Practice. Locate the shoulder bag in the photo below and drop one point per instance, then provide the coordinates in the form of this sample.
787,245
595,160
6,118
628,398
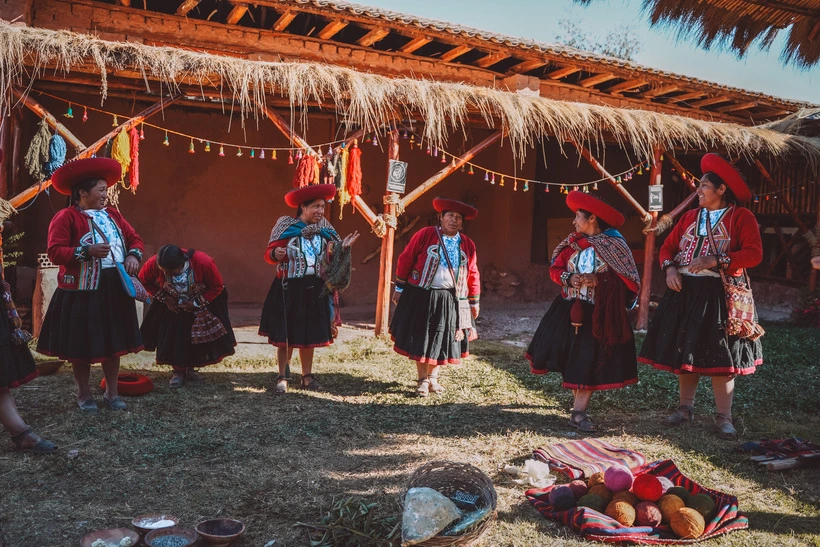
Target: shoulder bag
465,315
130,283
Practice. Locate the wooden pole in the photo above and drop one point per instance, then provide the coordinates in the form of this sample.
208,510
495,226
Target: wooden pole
386,260
52,122
450,168
645,216
5,133
30,192
649,249
682,170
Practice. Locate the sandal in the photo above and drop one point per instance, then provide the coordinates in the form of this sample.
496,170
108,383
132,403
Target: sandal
88,405
281,385
581,421
115,404
684,414
725,428
42,446
423,387
313,385
191,375
435,387
177,380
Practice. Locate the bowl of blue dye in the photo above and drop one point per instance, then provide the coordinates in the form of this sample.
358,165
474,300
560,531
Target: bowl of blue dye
174,536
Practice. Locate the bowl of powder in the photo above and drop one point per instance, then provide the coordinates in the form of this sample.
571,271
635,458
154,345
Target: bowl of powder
154,521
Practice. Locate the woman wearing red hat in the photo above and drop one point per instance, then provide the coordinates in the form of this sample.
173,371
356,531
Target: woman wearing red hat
586,335
435,275
188,323
91,319
687,334
312,264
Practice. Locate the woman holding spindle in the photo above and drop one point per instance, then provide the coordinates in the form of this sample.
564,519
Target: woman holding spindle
437,295
586,335
312,266
692,333
91,317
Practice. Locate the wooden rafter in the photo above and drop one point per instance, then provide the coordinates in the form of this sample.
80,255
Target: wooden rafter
415,43
709,101
526,66
237,12
659,91
331,29
52,122
186,7
454,53
626,86
686,97
592,81
563,72
284,20
373,36
736,107
770,114
492,58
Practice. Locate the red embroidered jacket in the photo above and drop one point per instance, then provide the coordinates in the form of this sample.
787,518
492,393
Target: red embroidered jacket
418,262
70,235
738,228
203,277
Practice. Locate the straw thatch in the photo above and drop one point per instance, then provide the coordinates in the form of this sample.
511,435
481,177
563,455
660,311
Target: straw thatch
372,100
805,123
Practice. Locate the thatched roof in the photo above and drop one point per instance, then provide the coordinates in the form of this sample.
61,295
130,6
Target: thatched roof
805,123
372,100
738,24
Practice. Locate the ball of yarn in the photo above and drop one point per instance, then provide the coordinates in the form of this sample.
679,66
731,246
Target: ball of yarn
679,491
579,489
647,514
665,483
669,505
557,491
703,504
602,492
647,487
593,502
617,478
563,499
687,523
627,496
596,478
621,511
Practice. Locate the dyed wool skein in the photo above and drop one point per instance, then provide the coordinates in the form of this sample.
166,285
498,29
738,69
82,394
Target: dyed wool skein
618,478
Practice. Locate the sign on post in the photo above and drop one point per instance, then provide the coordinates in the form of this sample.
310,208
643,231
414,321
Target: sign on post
396,176
656,197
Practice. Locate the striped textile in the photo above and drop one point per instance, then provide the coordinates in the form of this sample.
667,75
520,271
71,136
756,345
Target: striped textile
578,459
592,525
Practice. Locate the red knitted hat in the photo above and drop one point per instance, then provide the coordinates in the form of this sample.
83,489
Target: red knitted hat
468,212
78,171
580,200
712,163
296,197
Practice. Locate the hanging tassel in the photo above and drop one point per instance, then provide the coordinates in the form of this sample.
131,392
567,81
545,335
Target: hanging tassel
526,186
56,155
273,154
115,123
290,157
239,152
471,172
37,155
515,185
317,169
221,151
344,197
502,181
354,171
121,151
166,142
492,179
595,186
262,154
546,188
69,113
85,114
142,132
134,171
207,146
191,147
306,171
253,153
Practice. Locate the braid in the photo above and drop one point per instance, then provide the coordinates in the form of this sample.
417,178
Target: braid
170,257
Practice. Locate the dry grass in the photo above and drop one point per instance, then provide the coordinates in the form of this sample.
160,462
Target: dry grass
371,100
227,447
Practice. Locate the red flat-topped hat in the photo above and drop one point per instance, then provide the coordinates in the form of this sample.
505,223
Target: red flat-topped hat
78,171
713,163
468,212
296,197
580,200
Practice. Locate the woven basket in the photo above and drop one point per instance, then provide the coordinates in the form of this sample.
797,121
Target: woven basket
451,477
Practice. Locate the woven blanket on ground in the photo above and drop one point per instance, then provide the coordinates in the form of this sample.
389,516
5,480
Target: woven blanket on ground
593,525
579,459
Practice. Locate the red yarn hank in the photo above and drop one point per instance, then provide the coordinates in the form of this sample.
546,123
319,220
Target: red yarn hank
354,171
305,172
610,322
134,171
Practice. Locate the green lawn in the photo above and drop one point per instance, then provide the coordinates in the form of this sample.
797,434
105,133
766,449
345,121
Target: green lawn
229,447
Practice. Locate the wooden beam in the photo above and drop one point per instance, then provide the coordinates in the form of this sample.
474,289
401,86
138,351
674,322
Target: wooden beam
386,260
563,72
286,130
450,168
332,29
597,79
457,51
686,97
492,59
372,37
364,209
770,114
784,198
737,107
677,165
526,66
658,91
237,13
284,20
626,86
415,43
52,122
29,193
186,7
709,101
642,321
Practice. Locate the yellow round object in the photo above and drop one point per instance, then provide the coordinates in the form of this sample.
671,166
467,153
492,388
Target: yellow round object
669,505
602,491
622,512
627,496
596,478
687,523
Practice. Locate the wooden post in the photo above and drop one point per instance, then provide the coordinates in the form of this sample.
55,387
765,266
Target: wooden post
52,122
30,192
450,168
649,249
386,260
5,133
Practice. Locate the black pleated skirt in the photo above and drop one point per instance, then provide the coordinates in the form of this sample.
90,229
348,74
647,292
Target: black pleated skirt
297,316
169,334
16,363
688,333
582,361
424,324
91,326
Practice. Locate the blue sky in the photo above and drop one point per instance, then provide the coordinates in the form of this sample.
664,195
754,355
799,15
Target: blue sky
538,20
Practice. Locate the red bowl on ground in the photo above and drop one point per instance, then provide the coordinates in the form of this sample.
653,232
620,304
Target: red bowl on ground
131,383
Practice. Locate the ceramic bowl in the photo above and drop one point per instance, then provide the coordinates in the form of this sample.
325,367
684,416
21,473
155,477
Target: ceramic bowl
46,368
112,537
220,532
147,523
188,534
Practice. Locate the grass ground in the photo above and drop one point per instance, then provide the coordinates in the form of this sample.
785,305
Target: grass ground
227,447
